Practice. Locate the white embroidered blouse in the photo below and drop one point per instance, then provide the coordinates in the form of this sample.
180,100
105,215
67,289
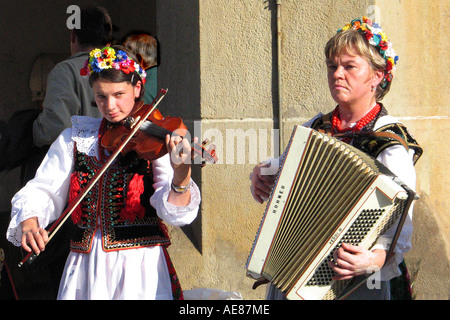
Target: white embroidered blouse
46,195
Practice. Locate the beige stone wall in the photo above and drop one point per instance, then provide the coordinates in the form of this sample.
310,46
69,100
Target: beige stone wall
239,94
420,99
219,61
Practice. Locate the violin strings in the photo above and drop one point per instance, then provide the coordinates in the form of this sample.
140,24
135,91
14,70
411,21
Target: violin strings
153,129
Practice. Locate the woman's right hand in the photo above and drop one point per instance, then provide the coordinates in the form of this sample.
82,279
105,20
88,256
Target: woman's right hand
34,237
262,182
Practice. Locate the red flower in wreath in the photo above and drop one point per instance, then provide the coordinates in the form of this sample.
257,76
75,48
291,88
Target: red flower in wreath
389,65
127,66
388,77
84,72
383,45
368,35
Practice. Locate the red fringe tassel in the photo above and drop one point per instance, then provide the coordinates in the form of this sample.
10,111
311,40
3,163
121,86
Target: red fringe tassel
133,208
74,190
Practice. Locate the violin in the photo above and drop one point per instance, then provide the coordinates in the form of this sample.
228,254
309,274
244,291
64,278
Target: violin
149,144
149,141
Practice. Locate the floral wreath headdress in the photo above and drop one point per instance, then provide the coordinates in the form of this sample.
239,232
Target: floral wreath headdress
377,38
108,58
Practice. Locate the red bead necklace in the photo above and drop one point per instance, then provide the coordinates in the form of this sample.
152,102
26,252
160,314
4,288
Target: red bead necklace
336,121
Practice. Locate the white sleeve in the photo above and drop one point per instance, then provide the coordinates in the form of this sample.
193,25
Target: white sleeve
399,161
174,215
45,196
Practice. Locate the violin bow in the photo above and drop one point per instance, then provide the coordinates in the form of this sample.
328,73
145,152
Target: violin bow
31,256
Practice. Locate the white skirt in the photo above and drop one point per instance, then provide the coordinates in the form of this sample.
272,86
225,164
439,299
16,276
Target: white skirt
132,274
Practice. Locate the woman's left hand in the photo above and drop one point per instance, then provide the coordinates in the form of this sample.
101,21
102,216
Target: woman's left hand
350,261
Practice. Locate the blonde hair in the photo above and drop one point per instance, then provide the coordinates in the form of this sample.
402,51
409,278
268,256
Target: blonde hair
354,42
144,47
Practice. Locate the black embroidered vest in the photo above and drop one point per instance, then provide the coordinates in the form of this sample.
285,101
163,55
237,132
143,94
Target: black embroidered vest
106,208
374,142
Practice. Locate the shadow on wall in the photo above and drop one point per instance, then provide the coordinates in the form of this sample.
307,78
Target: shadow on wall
425,260
179,71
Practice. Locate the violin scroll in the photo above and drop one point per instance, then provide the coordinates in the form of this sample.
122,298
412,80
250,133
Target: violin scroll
206,155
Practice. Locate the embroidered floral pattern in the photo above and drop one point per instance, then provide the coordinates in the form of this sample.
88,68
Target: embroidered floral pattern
177,292
108,58
377,38
104,204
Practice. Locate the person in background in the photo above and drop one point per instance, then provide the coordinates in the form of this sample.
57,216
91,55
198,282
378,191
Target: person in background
67,94
145,47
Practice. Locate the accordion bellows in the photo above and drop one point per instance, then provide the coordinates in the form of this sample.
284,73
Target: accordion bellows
326,192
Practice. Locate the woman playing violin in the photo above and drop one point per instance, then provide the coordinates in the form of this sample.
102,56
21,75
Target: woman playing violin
120,248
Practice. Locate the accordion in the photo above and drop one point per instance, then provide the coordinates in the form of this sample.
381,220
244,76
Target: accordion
326,192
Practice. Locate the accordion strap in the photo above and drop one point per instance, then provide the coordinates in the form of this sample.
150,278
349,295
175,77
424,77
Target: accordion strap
259,283
411,197
326,126
388,135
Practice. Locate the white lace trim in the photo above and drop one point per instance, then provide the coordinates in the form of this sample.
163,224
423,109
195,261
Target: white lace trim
176,216
85,134
15,231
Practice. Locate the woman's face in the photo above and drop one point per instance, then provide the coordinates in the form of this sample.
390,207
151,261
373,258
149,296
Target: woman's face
350,79
115,100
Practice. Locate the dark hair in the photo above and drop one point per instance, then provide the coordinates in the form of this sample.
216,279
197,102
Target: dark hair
96,27
117,76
